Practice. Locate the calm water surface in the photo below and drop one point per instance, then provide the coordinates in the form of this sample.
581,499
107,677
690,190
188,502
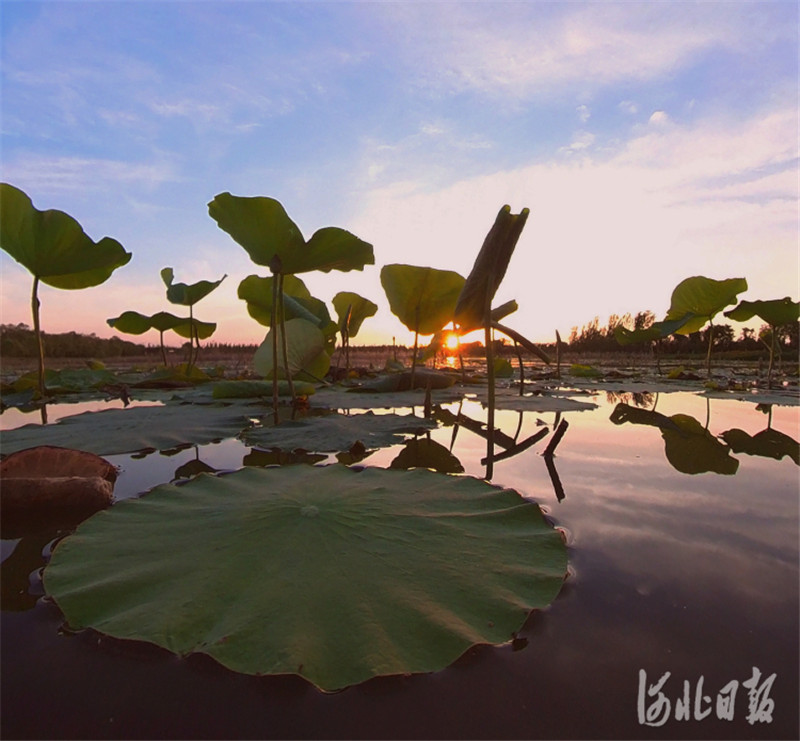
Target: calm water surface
691,574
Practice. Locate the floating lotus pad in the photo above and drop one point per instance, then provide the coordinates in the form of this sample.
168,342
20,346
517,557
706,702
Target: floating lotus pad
115,431
336,432
326,572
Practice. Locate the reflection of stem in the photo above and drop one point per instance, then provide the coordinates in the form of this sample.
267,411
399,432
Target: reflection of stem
524,445
655,403
551,469
519,426
708,411
556,439
456,425
38,331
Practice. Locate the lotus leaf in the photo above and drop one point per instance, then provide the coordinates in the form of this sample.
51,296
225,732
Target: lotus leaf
297,300
136,428
187,295
775,313
131,322
360,309
655,331
703,297
306,354
53,246
262,226
404,381
336,432
424,453
327,572
510,400
338,398
202,330
423,299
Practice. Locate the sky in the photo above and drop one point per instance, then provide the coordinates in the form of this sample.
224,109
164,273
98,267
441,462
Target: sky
651,141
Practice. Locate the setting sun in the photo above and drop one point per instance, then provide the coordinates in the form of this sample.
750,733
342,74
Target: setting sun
451,342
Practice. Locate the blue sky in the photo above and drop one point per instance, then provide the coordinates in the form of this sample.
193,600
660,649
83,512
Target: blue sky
651,141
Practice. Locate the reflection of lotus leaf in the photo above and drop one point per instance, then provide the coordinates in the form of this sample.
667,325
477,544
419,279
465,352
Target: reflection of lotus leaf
337,432
768,443
424,453
330,573
693,449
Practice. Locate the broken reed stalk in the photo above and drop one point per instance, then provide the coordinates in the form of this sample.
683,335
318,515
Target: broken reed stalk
556,439
487,317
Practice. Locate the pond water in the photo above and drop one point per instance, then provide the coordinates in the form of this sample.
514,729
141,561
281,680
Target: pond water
691,574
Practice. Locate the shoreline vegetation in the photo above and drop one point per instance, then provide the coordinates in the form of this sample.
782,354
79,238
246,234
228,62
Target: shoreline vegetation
18,350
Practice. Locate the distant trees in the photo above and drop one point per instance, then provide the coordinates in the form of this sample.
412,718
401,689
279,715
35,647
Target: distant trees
19,341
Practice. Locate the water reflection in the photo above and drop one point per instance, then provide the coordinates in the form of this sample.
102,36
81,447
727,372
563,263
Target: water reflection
691,448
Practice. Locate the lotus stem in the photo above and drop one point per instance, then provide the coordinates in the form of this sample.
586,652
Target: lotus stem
284,340
38,331
163,349
521,369
191,341
558,355
416,344
771,356
708,354
274,330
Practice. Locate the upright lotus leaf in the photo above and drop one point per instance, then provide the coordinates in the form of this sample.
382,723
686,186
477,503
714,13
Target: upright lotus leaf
489,268
55,249
307,358
703,297
360,309
775,313
423,299
262,226
327,572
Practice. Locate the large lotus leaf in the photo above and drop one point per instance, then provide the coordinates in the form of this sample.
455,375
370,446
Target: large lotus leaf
53,245
163,320
509,399
424,453
262,226
128,430
768,443
184,294
489,268
340,398
336,432
248,389
776,312
305,352
330,573
703,297
360,309
693,449
424,299
203,330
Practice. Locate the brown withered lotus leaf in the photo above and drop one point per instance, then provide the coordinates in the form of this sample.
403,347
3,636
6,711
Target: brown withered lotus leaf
48,486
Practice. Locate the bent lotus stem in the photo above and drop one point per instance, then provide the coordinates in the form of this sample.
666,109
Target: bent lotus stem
35,303
487,318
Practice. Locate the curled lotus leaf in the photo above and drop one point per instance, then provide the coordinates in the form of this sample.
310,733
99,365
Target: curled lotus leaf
330,573
185,294
360,309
